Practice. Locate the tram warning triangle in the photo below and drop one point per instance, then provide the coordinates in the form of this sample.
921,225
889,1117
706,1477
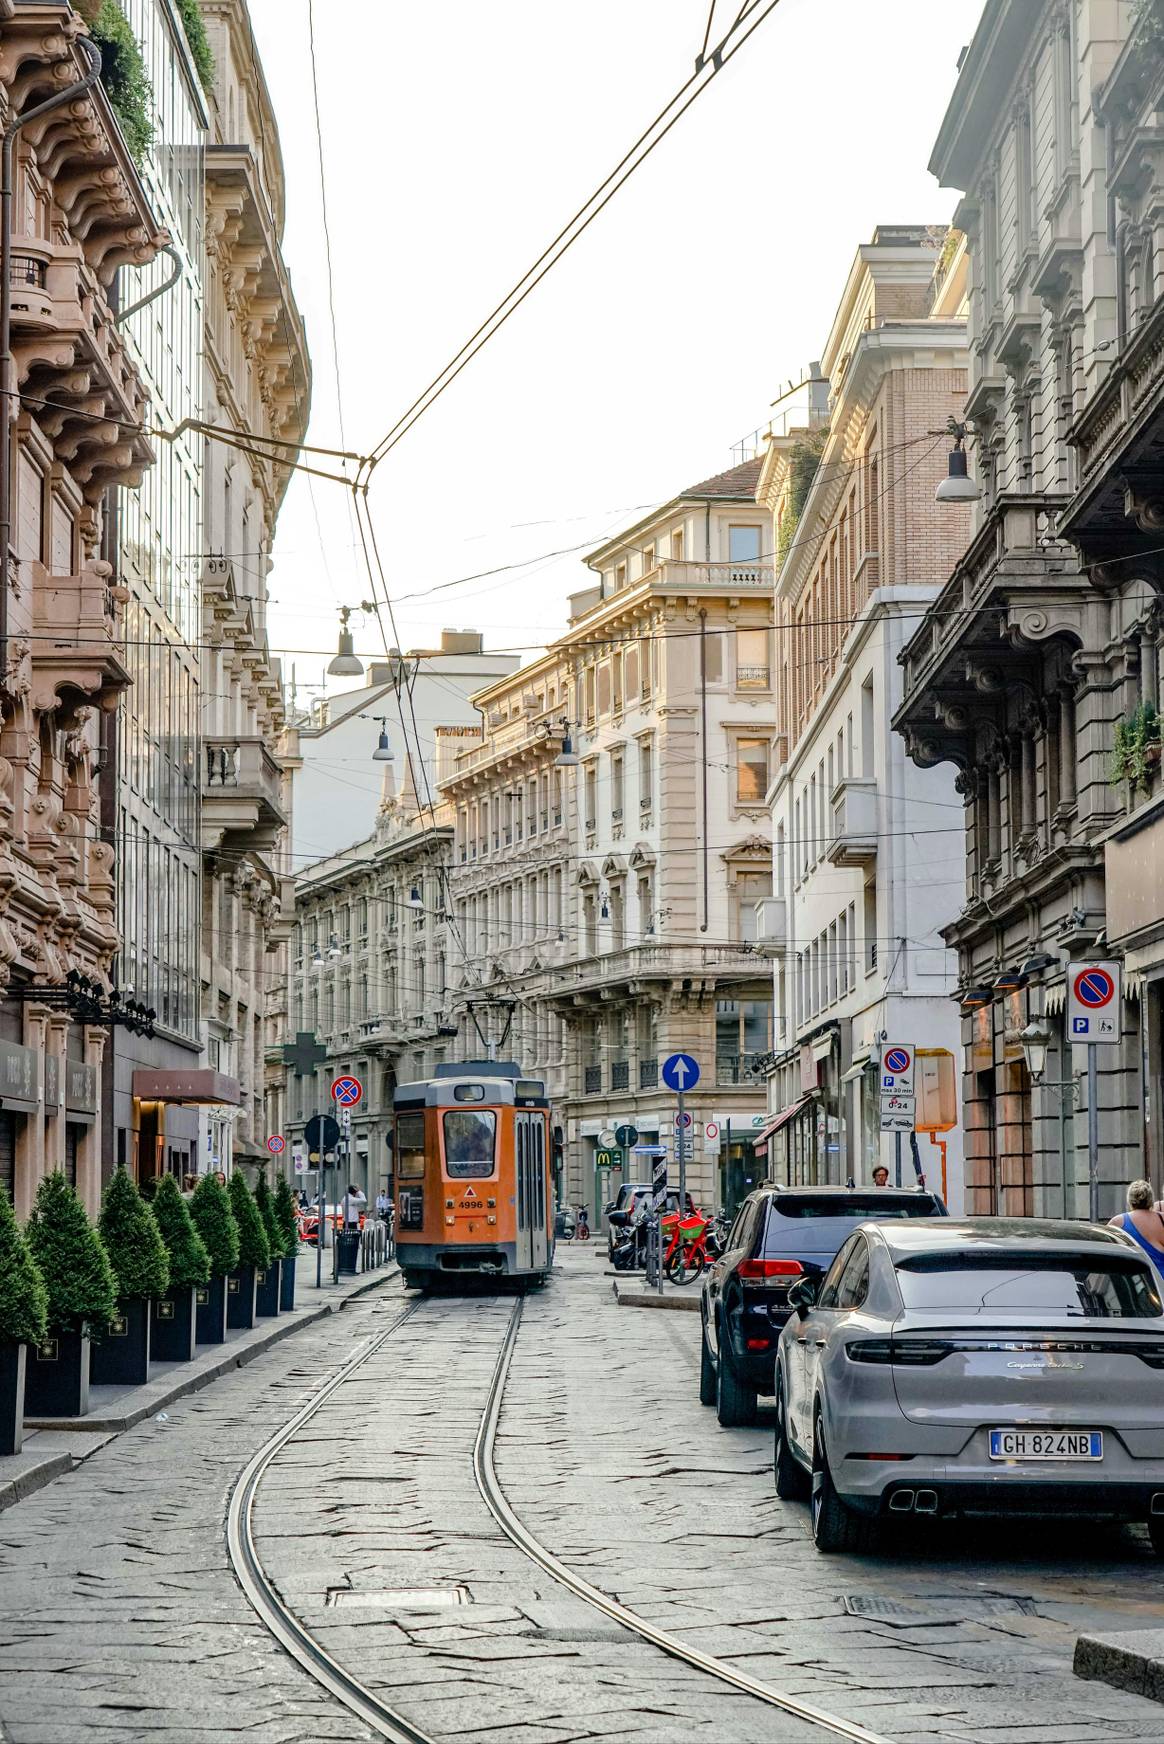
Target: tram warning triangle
469,1193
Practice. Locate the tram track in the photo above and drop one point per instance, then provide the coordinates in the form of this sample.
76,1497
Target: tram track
383,1720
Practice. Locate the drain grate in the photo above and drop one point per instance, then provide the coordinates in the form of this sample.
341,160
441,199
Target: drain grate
399,1598
936,1608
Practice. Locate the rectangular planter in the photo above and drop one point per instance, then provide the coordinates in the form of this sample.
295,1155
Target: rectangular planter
122,1358
287,1283
267,1292
172,1328
240,1298
12,1363
56,1377
210,1311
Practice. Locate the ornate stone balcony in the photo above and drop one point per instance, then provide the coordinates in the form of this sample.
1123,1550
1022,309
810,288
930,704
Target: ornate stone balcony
76,645
241,793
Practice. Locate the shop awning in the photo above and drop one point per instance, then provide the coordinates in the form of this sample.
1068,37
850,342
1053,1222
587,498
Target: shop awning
201,1084
760,1139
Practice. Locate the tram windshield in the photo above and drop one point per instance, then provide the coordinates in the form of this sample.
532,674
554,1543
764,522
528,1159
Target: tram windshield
469,1142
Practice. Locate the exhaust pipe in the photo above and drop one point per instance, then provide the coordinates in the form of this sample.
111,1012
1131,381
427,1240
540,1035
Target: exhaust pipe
927,1502
901,1501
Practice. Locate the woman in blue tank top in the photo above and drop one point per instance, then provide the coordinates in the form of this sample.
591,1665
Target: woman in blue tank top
1143,1222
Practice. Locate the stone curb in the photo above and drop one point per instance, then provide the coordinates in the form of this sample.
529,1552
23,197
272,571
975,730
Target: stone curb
156,1395
1133,1661
637,1297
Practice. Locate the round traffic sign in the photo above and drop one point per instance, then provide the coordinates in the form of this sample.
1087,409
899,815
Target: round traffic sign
276,1143
626,1135
711,1130
684,1120
680,1072
897,1060
1094,988
347,1091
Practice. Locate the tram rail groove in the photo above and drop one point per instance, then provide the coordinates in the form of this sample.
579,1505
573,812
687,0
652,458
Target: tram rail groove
278,1618
489,1484
384,1721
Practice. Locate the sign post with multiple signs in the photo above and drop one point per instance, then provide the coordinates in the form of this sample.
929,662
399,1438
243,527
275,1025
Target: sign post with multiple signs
680,1073
898,1096
1094,1004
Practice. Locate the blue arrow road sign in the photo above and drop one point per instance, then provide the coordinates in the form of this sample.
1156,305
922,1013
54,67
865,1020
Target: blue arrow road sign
680,1072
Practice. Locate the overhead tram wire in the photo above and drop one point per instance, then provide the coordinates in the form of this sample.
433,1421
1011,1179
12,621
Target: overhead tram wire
707,69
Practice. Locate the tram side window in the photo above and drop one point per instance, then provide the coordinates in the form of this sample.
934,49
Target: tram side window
469,1142
410,1147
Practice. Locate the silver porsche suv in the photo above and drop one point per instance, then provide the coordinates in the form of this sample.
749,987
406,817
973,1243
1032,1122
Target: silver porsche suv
986,1366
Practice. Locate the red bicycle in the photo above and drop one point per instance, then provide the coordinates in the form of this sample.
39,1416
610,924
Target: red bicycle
687,1252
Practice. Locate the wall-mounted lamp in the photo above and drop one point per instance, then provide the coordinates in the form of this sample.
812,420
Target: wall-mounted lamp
957,486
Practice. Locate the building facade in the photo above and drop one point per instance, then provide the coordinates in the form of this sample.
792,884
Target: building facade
1030,658
159,542
611,900
257,379
369,986
81,211
866,849
338,789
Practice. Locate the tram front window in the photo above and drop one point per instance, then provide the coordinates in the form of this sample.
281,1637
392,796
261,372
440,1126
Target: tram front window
470,1136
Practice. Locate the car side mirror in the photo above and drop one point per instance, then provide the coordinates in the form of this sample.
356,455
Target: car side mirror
802,1295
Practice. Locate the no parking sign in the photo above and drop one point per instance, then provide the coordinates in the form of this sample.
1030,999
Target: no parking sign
1093,1002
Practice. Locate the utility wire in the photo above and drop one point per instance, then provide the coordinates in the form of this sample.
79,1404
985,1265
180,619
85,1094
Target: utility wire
652,136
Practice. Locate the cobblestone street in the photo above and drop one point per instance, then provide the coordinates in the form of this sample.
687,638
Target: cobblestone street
122,1619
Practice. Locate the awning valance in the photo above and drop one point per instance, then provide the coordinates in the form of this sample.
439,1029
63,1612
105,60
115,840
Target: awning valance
760,1139
200,1084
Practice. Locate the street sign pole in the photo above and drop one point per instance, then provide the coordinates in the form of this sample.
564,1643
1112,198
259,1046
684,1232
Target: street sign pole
1092,1133
319,1220
681,1141
897,1158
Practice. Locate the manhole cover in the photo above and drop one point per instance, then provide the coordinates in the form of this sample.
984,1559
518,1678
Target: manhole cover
399,1598
936,1609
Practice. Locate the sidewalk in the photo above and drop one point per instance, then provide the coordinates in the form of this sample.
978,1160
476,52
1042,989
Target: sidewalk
630,1291
56,1445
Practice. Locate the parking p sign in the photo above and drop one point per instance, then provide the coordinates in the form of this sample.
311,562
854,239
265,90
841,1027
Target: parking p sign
1093,1002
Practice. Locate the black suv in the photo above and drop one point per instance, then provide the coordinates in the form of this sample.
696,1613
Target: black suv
779,1234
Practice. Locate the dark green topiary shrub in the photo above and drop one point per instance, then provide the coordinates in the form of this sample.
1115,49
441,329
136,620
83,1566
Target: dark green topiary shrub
265,1205
285,1217
82,1291
133,1242
189,1260
124,76
253,1247
23,1297
215,1222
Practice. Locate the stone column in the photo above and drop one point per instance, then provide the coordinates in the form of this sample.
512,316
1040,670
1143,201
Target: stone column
30,1137
1029,782
89,1148
57,1043
1066,748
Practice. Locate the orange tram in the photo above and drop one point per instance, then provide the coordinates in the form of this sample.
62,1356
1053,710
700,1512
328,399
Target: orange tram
473,1178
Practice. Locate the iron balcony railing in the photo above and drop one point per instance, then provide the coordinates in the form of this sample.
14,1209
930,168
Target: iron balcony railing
620,1074
648,1074
592,1080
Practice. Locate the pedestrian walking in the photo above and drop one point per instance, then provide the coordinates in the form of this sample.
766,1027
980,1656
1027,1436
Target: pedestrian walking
382,1206
355,1203
1143,1222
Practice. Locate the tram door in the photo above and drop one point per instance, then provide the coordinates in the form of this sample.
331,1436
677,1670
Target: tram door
523,1145
540,1239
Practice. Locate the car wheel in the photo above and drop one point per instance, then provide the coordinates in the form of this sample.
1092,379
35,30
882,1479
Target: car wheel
792,1481
834,1526
735,1403
707,1394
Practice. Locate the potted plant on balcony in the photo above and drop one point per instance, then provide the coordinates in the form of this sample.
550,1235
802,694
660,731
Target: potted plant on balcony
174,1332
269,1284
131,1238
254,1254
288,1224
82,1300
214,1221
1136,754
23,1309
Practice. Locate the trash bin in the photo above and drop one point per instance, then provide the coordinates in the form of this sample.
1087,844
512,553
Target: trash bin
347,1243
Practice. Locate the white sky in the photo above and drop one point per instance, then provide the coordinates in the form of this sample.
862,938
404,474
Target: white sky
457,140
